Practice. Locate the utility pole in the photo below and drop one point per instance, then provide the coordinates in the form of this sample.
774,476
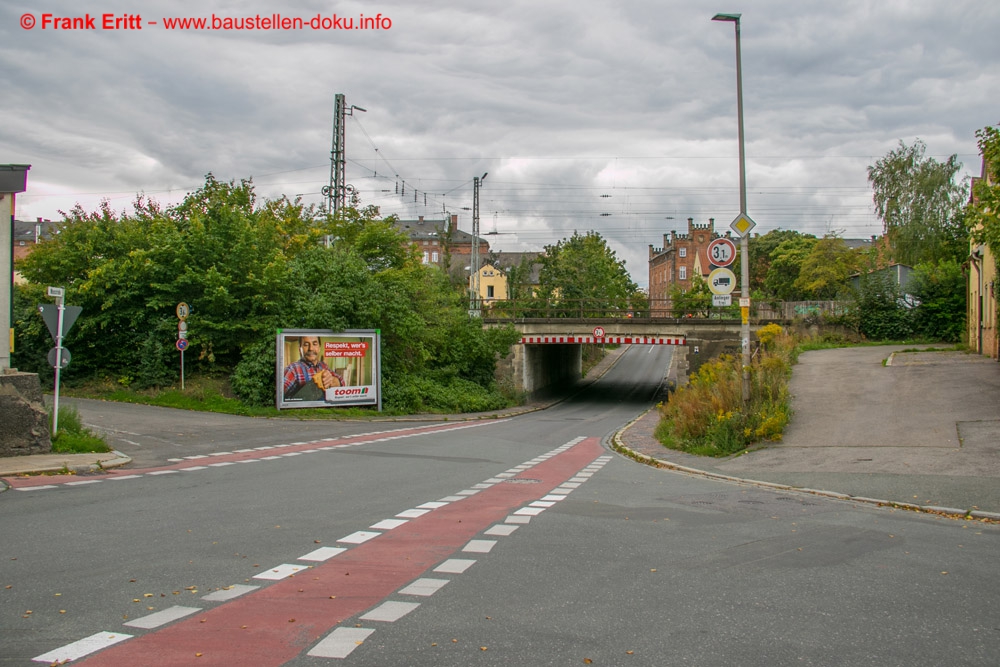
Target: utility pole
474,267
336,191
742,224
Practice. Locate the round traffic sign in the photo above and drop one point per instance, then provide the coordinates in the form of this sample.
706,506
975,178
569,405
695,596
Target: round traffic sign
721,252
181,344
182,326
183,311
722,281
64,360
598,332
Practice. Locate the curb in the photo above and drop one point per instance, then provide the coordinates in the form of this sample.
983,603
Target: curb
951,512
119,460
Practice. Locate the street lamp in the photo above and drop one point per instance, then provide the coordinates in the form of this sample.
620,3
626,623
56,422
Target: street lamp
743,220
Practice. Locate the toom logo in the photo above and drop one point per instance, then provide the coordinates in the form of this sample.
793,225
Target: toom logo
341,392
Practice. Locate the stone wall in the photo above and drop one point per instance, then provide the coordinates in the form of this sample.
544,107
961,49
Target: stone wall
24,423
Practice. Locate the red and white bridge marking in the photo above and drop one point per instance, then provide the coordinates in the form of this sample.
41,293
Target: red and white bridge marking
594,340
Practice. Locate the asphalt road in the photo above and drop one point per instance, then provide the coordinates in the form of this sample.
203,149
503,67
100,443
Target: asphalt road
520,541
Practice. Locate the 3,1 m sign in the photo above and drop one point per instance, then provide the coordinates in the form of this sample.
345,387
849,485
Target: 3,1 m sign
721,252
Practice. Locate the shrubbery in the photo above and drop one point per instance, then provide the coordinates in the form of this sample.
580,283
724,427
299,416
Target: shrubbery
247,268
707,416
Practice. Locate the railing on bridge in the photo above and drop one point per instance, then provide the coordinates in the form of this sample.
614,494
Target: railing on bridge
619,309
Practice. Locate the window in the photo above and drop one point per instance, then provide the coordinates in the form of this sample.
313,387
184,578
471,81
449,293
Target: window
434,257
489,291
425,257
683,252
682,273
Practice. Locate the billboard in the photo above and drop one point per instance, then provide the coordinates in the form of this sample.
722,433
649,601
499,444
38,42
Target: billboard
322,368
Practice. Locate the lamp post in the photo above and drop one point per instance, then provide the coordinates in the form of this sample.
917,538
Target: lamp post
743,220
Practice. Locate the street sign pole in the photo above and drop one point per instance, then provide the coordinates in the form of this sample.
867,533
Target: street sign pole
59,336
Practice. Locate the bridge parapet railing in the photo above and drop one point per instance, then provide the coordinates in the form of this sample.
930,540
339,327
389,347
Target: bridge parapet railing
513,310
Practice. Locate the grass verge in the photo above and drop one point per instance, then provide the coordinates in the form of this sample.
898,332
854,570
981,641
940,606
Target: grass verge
73,437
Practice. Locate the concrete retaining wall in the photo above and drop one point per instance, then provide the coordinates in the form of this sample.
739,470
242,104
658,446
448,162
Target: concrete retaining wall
24,423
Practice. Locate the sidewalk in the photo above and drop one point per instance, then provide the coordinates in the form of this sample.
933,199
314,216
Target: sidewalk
922,430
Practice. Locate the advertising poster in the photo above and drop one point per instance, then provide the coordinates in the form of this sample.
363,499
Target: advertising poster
322,368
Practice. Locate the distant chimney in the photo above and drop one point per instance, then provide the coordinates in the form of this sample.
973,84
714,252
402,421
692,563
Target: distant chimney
420,218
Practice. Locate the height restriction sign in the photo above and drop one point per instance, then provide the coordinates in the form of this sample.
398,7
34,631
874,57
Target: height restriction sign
721,252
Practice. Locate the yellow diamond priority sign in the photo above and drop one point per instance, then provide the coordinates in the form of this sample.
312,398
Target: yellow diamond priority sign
742,224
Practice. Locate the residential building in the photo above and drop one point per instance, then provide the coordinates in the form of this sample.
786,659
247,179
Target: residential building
443,244
981,297
27,235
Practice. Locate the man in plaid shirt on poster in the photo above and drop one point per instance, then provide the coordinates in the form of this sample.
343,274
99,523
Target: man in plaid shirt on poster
309,377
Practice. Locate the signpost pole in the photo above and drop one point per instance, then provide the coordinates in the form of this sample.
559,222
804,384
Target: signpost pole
59,336
182,370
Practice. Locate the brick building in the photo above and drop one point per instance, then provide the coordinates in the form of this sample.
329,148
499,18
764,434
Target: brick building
681,258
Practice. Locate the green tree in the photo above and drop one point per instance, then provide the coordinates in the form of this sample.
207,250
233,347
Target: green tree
920,204
694,302
785,265
583,269
940,292
982,215
880,311
825,270
762,251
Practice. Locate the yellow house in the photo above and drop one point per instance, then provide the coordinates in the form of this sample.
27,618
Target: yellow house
982,295
492,283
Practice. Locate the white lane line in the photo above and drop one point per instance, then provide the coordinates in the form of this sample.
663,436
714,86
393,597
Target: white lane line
570,485
233,591
541,503
37,488
223,463
577,480
220,453
162,472
194,468
340,643
412,514
249,461
81,648
431,505
481,485
85,481
493,480
389,612
468,492
161,617
455,566
283,571
584,474
175,460
388,524
424,587
450,499
358,537
554,497
241,451
529,511
322,554
517,519
114,479
293,454
506,475
501,529
479,546
196,456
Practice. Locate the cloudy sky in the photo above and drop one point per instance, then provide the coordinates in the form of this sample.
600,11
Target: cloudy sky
618,117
